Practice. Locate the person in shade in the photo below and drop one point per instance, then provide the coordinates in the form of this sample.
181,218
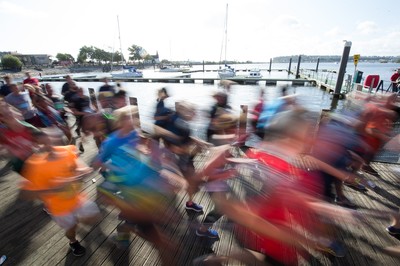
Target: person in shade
106,95
6,88
67,85
220,106
179,148
163,114
20,99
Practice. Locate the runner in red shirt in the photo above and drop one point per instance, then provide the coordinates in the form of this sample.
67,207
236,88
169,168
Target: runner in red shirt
30,80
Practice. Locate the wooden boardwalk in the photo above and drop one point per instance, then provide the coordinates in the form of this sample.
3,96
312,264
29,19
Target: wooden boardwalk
29,237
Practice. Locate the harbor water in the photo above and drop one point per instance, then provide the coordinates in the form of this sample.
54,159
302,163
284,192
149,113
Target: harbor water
200,94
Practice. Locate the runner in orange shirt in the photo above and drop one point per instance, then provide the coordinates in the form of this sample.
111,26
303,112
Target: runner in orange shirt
53,175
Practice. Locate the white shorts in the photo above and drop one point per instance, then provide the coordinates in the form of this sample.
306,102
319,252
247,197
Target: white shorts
88,210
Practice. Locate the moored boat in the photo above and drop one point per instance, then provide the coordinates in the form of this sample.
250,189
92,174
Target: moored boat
132,73
254,73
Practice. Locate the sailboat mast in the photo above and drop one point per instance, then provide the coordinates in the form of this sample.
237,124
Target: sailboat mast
226,31
120,43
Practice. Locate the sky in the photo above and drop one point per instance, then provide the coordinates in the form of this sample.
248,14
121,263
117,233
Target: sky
257,30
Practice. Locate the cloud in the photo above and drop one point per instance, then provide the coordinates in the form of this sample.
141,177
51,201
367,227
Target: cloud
389,44
288,22
9,8
367,27
332,32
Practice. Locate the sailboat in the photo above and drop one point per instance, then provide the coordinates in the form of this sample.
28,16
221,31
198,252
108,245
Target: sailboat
227,71
131,71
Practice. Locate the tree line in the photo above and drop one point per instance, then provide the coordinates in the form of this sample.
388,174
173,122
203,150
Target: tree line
96,55
87,54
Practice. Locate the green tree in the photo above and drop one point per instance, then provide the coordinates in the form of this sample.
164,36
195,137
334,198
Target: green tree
64,57
135,52
11,62
85,53
117,57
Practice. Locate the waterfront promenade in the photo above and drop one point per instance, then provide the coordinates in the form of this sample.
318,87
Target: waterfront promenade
29,237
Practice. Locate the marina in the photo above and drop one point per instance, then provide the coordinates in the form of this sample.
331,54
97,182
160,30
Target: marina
187,133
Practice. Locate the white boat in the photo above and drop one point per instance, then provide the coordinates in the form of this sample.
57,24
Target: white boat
227,71
170,68
131,73
128,71
254,73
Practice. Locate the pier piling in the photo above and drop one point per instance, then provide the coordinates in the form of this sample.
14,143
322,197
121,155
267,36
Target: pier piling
298,67
270,64
340,77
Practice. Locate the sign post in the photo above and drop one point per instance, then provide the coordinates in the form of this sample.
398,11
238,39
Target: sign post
356,57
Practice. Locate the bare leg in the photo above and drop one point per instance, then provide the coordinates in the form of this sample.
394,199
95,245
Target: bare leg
71,234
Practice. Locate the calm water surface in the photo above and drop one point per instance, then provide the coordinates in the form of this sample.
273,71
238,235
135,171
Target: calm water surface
200,94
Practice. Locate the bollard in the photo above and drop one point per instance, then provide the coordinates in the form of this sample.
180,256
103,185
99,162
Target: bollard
340,77
270,64
298,67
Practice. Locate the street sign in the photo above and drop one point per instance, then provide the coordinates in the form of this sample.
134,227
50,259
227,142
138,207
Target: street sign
356,57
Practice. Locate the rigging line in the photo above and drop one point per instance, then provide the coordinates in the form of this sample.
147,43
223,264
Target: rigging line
120,42
224,37
226,32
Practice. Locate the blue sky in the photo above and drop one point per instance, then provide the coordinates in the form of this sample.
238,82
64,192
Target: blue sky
180,30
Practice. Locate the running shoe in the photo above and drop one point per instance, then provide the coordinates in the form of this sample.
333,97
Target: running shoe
77,249
393,230
359,187
207,260
210,233
3,259
194,207
345,202
335,249
368,169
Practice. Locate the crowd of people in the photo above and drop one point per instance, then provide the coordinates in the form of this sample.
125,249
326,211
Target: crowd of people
295,172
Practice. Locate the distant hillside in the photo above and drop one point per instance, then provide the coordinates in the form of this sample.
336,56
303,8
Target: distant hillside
336,58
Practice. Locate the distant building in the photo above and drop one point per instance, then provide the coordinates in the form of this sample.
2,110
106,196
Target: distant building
34,59
31,59
153,59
